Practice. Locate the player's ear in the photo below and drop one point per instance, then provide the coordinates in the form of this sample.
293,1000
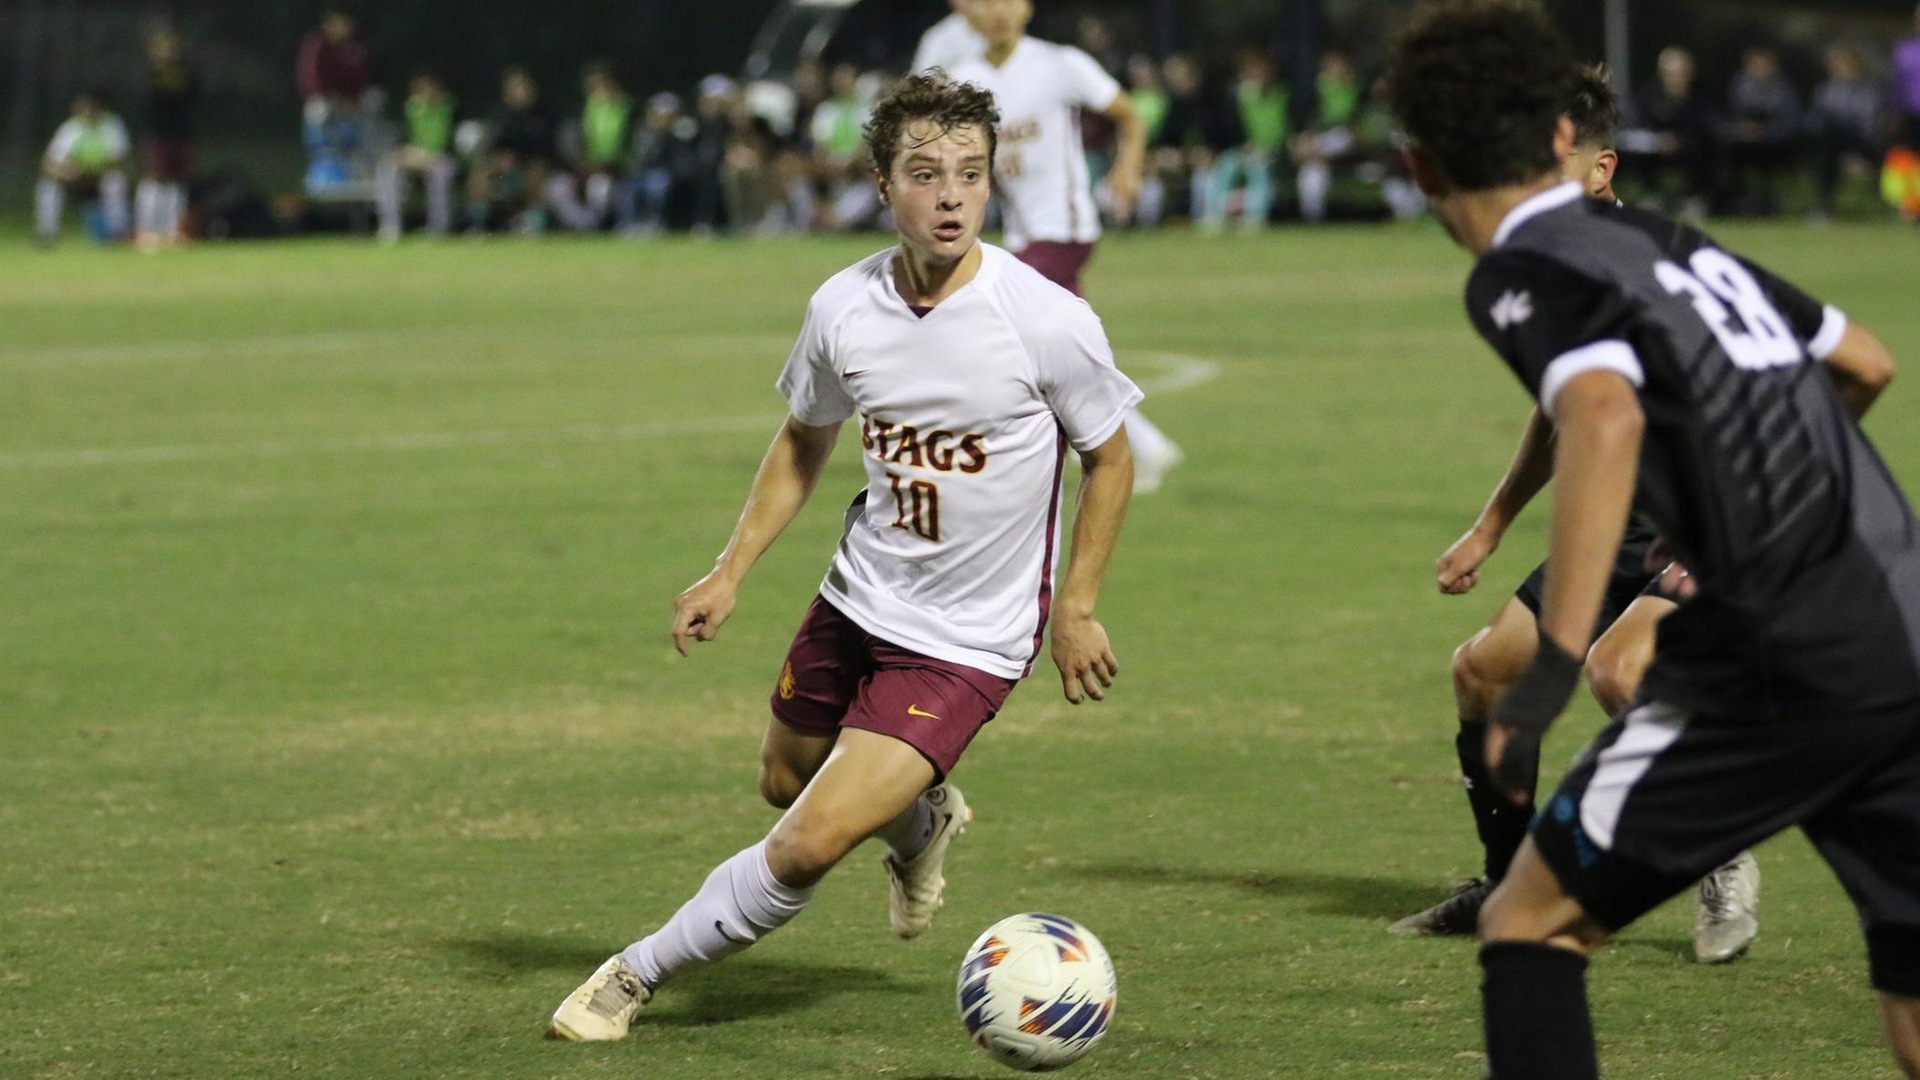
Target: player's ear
880,183
1604,168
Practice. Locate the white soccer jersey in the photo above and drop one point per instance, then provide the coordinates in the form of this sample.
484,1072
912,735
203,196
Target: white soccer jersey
965,420
1046,192
103,142
949,43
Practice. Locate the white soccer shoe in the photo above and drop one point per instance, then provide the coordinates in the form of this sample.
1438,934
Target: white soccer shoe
915,887
1728,918
603,1007
1153,459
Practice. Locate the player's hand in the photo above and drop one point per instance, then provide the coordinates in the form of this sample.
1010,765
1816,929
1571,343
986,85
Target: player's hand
1124,185
699,612
1458,569
1085,659
1523,715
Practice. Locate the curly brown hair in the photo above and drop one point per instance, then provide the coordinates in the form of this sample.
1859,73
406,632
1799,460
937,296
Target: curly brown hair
1480,86
931,96
1595,111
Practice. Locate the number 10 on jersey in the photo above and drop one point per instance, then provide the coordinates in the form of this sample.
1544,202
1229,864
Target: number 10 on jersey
919,504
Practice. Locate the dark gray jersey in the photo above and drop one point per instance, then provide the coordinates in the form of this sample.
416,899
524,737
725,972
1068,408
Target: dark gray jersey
1807,553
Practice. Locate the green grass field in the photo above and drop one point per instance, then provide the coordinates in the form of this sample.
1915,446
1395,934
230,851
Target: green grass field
342,735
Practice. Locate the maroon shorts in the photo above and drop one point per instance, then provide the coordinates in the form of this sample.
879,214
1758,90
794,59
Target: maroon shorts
167,160
838,675
1057,262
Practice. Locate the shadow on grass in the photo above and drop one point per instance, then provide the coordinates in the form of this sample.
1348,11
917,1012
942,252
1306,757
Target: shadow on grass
737,990
1333,894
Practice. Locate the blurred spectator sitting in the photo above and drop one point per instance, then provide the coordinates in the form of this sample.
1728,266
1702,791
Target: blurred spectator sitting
598,146
839,151
335,69
1331,140
1763,132
86,160
166,153
1261,106
1676,135
713,132
1378,144
1099,136
1844,122
645,197
748,177
426,154
511,170
1193,134
1151,103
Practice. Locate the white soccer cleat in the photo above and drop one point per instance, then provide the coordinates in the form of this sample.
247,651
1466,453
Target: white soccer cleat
1728,918
603,1007
1152,461
915,887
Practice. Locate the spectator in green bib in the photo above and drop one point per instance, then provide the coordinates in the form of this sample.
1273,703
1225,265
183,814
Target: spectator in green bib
86,160
599,149
1331,140
426,155
1262,106
1151,104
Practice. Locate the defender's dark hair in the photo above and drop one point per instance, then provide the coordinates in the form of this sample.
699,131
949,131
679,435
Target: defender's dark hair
1480,85
1595,111
931,96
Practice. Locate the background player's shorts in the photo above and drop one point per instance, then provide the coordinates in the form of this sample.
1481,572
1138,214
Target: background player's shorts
1630,578
1057,262
167,160
838,675
1664,796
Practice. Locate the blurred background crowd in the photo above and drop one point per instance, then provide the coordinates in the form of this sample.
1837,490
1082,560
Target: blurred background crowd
1257,113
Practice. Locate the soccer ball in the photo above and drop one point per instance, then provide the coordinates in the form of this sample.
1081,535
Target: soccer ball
1037,991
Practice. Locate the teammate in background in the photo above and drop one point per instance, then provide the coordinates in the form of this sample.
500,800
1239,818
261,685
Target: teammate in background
1046,191
166,154
427,155
971,375
950,42
1786,690
87,159
1726,919
600,148
511,172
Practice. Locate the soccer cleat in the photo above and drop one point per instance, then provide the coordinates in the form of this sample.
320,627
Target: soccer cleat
1728,918
603,1007
914,887
1456,915
1152,461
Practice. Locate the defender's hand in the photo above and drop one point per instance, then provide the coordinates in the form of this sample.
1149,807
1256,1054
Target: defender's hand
1458,569
1085,660
699,612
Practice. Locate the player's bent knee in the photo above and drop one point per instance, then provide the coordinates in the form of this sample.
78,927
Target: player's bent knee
779,785
1614,676
1476,683
801,856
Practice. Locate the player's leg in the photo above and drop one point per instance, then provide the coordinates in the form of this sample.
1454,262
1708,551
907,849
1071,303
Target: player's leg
1535,941
1619,658
389,180
440,174
114,202
1900,1017
49,199
1483,667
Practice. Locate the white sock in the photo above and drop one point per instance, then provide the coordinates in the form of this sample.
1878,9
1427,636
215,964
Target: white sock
740,901
146,206
908,835
48,196
1316,178
113,202
173,210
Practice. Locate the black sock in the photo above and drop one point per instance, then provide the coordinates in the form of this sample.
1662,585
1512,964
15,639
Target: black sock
1501,824
1534,1003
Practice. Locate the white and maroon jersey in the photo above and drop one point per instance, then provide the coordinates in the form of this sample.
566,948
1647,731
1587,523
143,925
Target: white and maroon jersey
965,420
949,43
1046,192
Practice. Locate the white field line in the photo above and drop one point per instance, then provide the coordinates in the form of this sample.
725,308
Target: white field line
1181,373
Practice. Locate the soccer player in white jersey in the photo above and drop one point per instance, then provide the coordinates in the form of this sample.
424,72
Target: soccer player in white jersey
971,375
1046,189
950,42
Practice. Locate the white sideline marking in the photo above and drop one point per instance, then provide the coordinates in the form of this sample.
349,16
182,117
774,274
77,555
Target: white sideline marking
1183,373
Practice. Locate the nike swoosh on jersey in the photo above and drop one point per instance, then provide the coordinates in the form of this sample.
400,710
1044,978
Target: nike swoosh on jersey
851,374
915,710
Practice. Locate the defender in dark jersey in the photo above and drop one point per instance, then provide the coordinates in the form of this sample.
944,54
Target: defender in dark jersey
1786,690
1726,918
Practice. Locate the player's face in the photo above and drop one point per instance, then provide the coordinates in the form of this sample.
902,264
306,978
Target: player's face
1001,22
938,189
1593,168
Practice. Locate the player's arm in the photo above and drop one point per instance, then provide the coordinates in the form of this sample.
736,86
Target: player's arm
1458,570
1860,366
1597,451
1130,156
1080,647
787,476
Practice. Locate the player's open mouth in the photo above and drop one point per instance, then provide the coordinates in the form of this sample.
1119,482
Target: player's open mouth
949,231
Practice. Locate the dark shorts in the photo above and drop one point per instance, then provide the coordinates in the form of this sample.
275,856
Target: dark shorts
838,675
1630,579
1662,797
1057,262
167,160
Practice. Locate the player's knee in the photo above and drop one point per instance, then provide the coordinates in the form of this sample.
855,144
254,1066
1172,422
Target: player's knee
1476,683
779,785
1613,674
801,854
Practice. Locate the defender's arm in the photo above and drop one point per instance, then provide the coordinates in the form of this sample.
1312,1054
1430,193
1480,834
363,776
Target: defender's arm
1532,467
